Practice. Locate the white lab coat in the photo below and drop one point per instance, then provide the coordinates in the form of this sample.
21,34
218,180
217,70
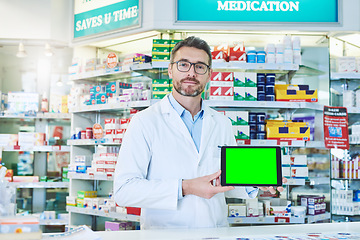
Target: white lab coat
156,152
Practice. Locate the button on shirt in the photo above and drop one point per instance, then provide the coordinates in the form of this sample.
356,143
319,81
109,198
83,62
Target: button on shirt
194,125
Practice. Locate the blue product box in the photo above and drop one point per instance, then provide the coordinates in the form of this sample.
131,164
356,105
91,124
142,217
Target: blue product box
81,169
260,117
251,56
100,98
269,89
261,78
270,97
270,79
261,96
260,135
261,88
252,117
260,56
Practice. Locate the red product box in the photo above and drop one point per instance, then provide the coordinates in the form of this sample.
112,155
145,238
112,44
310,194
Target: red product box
222,76
237,56
227,91
222,91
215,91
219,55
133,210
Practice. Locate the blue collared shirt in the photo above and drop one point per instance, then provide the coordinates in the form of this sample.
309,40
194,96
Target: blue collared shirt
194,125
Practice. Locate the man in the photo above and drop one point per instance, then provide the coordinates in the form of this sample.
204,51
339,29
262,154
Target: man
170,158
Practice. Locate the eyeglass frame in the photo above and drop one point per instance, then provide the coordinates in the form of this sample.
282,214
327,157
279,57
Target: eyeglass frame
191,64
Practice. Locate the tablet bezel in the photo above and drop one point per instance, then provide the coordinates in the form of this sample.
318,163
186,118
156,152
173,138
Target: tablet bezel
223,167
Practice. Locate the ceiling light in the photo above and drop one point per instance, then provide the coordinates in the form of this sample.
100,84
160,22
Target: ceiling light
21,52
48,51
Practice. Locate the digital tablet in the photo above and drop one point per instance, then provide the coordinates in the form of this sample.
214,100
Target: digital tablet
250,166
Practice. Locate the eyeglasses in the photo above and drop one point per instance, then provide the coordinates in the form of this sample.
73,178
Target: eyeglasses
184,66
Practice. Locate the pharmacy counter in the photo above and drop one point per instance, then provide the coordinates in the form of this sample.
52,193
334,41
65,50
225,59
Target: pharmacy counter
326,230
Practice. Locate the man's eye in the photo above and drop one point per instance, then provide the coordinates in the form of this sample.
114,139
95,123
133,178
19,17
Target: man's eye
200,66
183,64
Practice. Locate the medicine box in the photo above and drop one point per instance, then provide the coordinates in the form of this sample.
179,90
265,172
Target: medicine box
250,93
237,210
86,194
295,93
219,56
298,160
250,79
299,172
239,79
239,93
238,117
241,132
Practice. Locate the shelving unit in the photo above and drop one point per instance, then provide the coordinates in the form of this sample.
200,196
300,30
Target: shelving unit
40,122
88,115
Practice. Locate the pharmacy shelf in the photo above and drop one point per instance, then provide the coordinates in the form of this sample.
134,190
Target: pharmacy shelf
90,142
85,176
344,75
38,115
54,148
39,184
280,143
53,222
113,107
278,220
353,110
346,179
118,216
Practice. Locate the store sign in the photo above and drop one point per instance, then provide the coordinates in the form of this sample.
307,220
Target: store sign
336,132
97,16
319,11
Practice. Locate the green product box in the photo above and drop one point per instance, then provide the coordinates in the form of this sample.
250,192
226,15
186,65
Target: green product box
161,89
174,42
251,94
43,178
241,132
250,79
239,79
80,202
160,81
161,42
238,117
160,57
159,95
239,93
160,50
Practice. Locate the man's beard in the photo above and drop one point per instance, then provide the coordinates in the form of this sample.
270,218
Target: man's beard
189,91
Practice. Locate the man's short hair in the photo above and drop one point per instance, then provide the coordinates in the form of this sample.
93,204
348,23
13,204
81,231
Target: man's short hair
195,42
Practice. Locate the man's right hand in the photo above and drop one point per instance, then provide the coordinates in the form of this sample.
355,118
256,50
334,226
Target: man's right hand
204,186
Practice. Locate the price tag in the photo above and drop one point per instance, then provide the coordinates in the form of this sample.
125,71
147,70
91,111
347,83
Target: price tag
16,147
284,144
238,220
280,67
261,66
261,219
240,142
262,142
262,103
56,148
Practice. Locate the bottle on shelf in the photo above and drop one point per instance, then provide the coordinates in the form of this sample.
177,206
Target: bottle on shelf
44,103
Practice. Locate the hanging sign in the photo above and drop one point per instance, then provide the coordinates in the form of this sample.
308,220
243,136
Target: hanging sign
336,132
98,16
291,11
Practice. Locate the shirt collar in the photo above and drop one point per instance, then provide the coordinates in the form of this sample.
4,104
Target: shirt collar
180,109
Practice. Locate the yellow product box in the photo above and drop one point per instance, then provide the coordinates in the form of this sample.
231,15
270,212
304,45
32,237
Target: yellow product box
159,95
71,201
160,57
161,89
288,130
86,194
80,202
160,83
295,93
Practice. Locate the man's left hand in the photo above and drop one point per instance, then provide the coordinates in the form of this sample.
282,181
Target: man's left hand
272,190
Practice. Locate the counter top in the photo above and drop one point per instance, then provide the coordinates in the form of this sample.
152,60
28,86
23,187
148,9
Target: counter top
234,232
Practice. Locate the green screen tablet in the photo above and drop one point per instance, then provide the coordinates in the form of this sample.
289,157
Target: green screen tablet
250,166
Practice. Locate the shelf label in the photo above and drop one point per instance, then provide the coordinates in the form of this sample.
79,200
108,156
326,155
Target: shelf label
16,147
56,148
282,219
238,220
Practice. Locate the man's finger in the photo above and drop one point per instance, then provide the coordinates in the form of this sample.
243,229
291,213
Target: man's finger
214,175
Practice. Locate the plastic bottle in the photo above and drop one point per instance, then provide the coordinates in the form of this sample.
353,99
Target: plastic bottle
44,103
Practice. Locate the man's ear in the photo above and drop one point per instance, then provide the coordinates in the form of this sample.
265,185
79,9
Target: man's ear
169,70
210,73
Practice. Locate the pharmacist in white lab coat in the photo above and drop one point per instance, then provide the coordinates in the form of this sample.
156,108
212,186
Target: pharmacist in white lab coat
169,160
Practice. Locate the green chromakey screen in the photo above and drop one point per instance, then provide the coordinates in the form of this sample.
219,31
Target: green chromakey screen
251,166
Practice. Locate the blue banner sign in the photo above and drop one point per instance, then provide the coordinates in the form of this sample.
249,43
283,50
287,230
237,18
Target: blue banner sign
301,11
92,19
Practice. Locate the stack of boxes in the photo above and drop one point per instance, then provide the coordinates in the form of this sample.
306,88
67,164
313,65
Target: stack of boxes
345,202
294,166
240,123
287,130
257,125
295,93
103,163
314,204
162,48
30,139
349,169
161,87
221,86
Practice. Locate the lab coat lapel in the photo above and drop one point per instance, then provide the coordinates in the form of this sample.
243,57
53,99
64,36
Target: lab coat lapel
207,130
173,119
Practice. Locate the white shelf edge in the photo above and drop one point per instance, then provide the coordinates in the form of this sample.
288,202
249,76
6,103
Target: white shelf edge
344,75
271,219
39,184
112,106
38,116
54,222
54,148
84,176
118,216
90,142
